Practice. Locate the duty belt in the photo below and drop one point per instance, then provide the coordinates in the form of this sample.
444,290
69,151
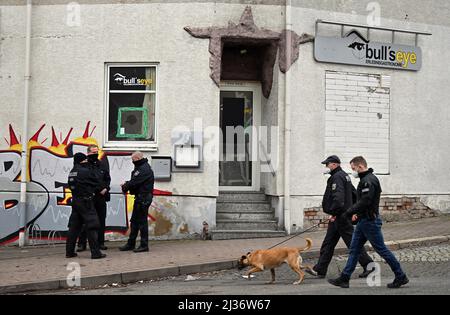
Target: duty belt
86,197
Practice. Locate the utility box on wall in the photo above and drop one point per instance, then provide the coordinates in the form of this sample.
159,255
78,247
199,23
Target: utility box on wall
162,168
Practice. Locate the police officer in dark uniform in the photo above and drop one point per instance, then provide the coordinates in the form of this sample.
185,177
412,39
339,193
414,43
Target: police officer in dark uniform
83,183
141,186
337,199
366,211
102,196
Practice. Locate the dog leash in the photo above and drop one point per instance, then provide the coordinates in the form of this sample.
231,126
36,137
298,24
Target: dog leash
300,233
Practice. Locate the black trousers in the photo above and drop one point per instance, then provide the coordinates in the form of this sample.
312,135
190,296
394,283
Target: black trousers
100,207
83,213
342,227
139,220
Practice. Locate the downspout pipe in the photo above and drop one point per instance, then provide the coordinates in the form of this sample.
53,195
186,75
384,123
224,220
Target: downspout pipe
24,173
287,121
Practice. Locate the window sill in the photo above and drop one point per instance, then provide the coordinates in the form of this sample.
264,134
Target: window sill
130,148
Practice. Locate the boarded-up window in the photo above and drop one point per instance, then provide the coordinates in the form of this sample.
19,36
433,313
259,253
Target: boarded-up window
358,117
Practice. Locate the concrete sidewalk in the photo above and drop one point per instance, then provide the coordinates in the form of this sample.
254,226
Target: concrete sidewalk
45,268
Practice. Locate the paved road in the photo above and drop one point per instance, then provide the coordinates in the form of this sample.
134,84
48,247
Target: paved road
46,263
428,269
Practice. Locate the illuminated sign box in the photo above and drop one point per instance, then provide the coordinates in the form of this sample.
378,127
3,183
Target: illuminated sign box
355,49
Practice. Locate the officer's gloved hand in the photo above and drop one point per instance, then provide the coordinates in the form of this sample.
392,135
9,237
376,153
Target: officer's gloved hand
351,216
348,214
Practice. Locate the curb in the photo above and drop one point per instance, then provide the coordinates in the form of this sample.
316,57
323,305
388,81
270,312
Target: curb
153,274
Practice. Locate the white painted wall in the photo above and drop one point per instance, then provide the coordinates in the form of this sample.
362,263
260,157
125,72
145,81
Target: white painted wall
357,118
68,85
68,71
420,115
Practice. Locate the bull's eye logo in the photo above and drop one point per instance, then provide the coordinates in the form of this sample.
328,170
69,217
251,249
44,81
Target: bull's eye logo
357,44
118,78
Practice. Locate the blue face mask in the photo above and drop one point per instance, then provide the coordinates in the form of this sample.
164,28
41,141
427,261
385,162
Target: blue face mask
355,174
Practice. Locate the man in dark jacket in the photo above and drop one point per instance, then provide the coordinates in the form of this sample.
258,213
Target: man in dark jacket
337,199
83,183
366,210
102,196
141,186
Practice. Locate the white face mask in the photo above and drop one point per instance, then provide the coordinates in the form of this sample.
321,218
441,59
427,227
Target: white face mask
355,174
326,171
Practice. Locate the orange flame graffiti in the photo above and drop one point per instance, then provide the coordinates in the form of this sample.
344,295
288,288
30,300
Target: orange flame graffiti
67,198
88,140
13,138
60,148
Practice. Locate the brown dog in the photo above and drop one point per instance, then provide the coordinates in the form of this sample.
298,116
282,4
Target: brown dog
261,260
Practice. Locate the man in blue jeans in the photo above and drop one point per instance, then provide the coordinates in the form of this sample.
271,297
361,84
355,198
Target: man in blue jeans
366,210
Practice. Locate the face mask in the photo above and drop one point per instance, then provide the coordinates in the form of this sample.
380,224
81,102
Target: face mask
93,157
355,174
326,171
84,163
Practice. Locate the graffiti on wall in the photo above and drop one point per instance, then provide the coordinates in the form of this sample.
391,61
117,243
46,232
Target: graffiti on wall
48,205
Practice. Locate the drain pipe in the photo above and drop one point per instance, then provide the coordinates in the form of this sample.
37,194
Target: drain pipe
23,176
287,121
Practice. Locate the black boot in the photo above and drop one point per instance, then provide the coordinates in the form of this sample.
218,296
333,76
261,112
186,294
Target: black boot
398,282
71,255
366,273
131,244
98,256
141,249
342,282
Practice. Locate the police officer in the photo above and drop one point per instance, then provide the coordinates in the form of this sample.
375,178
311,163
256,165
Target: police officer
366,210
141,186
82,183
337,199
102,196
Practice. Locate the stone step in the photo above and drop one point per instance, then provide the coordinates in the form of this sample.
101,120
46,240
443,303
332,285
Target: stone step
248,215
241,196
245,234
243,206
270,225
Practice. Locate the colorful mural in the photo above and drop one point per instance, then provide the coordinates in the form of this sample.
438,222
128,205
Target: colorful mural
48,204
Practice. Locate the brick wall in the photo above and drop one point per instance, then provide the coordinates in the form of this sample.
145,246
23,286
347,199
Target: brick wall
402,209
314,216
392,210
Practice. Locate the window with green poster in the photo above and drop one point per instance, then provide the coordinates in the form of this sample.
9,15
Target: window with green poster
131,106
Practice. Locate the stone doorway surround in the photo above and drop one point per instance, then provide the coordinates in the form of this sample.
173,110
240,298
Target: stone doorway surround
247,33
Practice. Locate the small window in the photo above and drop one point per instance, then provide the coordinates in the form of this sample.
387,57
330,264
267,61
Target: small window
131,105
